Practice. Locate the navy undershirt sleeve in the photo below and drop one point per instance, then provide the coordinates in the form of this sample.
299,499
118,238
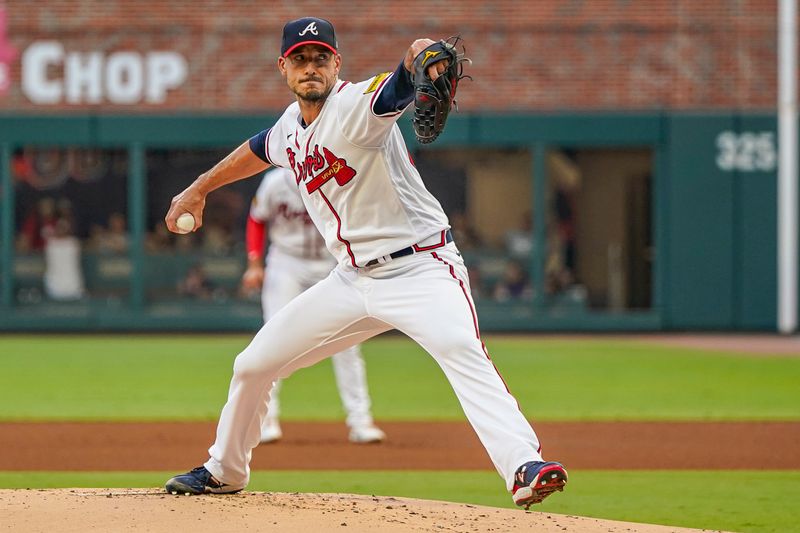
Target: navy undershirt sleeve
258,145
396,94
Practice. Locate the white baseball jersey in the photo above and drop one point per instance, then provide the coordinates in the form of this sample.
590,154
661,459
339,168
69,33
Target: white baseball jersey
395,209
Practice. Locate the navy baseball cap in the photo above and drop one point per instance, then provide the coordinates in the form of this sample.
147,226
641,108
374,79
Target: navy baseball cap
308,30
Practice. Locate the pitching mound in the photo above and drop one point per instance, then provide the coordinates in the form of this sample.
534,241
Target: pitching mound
152,510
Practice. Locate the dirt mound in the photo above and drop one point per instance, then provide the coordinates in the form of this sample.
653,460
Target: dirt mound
80,510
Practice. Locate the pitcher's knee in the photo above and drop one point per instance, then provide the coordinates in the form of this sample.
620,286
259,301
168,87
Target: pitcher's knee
251,365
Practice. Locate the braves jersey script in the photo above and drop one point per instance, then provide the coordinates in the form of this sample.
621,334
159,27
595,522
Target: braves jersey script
355,175
278,203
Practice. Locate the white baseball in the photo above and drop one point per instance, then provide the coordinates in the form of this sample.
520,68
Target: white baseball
185,223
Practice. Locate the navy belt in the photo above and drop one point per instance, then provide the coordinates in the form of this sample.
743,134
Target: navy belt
447,237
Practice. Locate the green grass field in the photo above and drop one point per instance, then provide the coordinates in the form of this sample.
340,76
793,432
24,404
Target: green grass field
135,377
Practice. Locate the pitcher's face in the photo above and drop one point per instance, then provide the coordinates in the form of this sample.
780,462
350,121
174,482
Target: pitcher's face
311,71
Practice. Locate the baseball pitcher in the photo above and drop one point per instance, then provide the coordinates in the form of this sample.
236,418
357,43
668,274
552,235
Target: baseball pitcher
398,267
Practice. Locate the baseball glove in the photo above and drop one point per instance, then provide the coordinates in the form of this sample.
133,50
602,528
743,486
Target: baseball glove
433,99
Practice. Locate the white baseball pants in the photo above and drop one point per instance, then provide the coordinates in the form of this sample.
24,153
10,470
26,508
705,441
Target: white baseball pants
427,297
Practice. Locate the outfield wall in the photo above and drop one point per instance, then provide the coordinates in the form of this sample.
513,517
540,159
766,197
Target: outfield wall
710,231
220,55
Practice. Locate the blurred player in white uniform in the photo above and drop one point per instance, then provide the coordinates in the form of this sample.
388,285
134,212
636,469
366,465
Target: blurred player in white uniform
296,260
398,267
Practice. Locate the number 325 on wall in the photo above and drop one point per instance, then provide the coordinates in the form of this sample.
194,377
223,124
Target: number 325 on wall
747,151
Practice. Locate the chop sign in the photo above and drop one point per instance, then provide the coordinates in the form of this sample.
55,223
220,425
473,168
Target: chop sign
51,75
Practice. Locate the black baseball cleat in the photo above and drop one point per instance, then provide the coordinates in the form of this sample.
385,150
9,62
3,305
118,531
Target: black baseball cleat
536,480
198,481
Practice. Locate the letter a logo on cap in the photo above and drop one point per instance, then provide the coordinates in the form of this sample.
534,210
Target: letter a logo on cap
307,30
310,28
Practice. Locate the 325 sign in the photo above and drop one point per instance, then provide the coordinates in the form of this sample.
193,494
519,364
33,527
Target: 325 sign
747,151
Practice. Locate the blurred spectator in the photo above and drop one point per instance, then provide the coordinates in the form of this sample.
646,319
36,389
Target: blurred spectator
565,220
196,284
519,241
565,181
112,239
21,165
216,240
38,224
64,211
63,276
96,232
463,232
159,240
560,262
557,278
513,285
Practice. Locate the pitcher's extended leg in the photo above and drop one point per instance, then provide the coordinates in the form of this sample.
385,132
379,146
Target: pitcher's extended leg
325,319
437,311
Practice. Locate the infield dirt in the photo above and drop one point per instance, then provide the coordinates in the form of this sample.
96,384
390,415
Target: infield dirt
411,445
